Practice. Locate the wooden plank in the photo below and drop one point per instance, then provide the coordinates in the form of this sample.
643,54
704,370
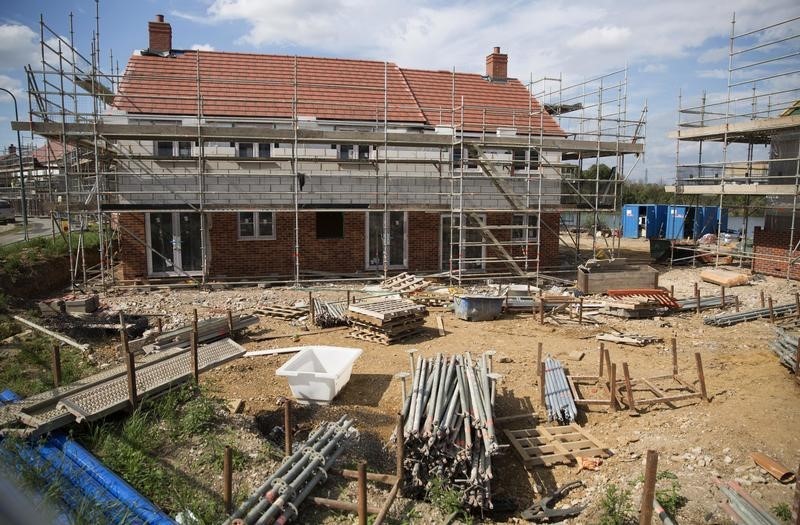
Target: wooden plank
440,325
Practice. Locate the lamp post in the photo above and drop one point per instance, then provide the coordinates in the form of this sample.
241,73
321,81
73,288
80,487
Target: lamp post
21,172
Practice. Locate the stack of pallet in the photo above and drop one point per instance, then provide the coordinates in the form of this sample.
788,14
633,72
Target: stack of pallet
386,321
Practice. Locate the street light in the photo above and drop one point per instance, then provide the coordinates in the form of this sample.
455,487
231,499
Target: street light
21,172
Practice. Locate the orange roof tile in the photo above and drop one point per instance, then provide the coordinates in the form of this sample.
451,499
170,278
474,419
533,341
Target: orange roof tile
258,85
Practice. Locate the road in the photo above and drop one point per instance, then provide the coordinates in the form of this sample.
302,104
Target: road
36,228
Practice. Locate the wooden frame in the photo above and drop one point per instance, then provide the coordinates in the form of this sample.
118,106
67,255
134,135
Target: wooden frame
598,381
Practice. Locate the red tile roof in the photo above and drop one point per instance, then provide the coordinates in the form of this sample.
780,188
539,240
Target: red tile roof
258,85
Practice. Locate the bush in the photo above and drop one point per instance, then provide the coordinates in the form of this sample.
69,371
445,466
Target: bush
617,508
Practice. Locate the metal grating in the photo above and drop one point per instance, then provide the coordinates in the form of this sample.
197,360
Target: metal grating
110,396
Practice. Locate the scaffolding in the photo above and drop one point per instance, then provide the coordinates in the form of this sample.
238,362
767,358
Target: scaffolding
741,148
494,187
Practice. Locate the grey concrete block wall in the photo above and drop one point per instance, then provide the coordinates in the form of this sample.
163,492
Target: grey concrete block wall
270,183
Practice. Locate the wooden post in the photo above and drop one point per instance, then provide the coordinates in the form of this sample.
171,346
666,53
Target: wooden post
649,491
362,493
797,305
722,305
700,376
400,450
761,292
608,359
311,308
674,344
697,297
541,308
159,325
193,340
230,322
56,366
287,427
538,356
736,305
130,364
602,356
227,477
580,311
348,297
628,388
672,290
771,311
613,387
796,502
541,386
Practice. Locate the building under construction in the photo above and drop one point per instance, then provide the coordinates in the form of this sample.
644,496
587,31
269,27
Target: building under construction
201,165
742,148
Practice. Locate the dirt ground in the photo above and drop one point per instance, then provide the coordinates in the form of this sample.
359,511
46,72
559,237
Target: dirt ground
753,399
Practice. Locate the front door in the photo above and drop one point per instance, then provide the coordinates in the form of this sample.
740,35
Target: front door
175,242
398,243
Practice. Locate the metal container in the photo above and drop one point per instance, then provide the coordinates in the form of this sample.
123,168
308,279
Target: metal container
477,307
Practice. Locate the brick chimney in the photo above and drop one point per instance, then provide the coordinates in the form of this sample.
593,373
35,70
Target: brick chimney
160,35
497,65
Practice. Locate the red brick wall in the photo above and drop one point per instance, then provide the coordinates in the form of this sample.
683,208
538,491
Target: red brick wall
772,253
132,254
231,257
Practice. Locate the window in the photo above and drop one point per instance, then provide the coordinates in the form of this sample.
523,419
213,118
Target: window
264,150
363,152
184,149
469,164
345,152
330,225
164,148
521,160
256,225
518,234
245,150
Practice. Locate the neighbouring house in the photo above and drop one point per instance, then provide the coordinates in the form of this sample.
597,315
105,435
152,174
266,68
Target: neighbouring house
254,165
41,167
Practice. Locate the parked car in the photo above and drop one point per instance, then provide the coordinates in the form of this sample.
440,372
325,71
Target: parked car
6,212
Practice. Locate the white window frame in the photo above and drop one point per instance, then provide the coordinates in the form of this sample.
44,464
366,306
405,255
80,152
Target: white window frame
367,264
256,228
518,234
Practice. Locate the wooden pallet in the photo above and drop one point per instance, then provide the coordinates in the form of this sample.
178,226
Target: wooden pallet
657,295
405,283
431,299
385,339
283,312
547,446
390,325
378,312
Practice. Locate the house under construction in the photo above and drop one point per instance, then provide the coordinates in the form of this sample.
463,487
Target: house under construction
211,165
743,148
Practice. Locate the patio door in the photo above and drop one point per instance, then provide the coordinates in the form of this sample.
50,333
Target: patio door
474,250
175,242
398,239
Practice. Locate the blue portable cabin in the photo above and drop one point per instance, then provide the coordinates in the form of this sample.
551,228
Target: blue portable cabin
692,222
643,220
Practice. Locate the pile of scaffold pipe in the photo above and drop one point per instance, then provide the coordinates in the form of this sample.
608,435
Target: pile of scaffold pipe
557,394
449,427
279,498
772,312
785,346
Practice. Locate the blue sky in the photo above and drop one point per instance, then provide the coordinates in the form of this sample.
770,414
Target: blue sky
669,46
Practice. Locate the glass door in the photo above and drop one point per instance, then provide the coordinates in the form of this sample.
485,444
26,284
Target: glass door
162,237
175,239
474,254
398,242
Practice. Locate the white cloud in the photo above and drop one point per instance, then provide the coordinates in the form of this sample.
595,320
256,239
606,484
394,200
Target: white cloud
606,37
202,47
19,46
12,84
713,73
654,68
714,54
